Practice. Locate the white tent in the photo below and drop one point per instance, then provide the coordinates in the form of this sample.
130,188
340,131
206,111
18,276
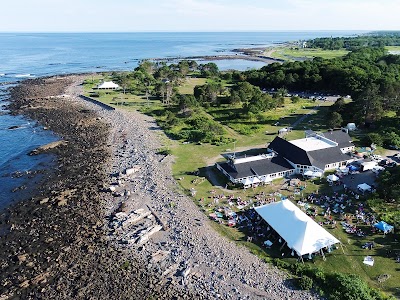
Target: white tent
308,173
108,85
363,187
301,233
343,170
247,181
267,179
317,174
332,178
256,180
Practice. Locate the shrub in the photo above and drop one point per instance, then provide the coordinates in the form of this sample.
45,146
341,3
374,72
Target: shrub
281,264
305,282
347,286
298,269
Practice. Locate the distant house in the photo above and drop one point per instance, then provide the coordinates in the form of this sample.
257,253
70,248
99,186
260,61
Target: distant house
108,85
316,153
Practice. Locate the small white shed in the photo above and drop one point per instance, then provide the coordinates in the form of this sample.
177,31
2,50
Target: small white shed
351,126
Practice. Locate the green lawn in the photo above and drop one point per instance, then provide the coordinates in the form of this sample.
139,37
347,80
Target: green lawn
189,84
393,49
290,53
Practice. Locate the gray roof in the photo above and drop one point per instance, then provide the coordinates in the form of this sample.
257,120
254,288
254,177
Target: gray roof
258,167
339,136
318,158
323,157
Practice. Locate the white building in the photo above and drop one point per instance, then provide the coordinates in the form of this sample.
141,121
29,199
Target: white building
315,154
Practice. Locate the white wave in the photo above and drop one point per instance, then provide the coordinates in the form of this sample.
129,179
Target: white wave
2,74
23,75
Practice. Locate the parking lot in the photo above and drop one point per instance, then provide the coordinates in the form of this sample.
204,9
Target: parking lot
351,181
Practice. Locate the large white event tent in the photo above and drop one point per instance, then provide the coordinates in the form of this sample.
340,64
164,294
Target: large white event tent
301,233
108,85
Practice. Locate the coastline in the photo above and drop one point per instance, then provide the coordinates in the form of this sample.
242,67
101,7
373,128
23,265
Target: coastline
64,242
53,244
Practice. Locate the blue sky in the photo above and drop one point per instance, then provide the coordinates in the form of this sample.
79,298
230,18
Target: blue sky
198,15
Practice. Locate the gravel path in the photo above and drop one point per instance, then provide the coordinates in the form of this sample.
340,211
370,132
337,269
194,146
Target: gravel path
187,252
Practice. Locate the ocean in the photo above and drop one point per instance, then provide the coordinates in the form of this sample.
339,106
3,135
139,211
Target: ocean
31,55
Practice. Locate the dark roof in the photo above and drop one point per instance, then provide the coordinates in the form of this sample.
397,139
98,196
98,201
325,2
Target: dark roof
290,151
258,167
339,136
318,158
323,157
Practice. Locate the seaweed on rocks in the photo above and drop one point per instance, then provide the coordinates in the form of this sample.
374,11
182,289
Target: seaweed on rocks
54,245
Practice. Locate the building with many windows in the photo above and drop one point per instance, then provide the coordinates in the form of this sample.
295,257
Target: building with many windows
314,154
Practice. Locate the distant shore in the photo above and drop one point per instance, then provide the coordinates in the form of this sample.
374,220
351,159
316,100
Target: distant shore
266,59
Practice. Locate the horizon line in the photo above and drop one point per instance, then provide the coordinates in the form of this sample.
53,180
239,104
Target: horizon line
212,31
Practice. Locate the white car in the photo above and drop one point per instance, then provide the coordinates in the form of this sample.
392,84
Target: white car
378,169
376,157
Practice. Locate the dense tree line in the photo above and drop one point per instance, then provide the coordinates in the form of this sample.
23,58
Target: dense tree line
352,43
369,75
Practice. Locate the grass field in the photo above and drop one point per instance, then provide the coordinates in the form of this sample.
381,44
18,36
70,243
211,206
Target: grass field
289,53
188,86
393,49
193,163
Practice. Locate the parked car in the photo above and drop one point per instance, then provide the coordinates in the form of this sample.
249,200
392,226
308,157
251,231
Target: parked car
391,164
378,169
397,155
376,157
383,162
393,147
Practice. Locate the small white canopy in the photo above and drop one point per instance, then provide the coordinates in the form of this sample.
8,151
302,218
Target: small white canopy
301,233
267,179
364,187
256,180
108,85
247,181
308,173
332,178
317,174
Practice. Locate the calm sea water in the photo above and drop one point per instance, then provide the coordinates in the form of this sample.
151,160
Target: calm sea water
32,55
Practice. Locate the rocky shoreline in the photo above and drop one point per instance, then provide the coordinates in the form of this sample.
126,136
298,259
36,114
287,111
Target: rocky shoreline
109,220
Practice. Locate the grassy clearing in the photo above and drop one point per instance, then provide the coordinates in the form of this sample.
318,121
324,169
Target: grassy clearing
289,53
188,86
393,49
259,129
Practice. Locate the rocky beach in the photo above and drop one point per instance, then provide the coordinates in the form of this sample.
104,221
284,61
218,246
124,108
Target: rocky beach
110,222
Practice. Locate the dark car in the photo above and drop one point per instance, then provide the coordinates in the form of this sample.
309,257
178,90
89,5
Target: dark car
391,164
393,147
383,162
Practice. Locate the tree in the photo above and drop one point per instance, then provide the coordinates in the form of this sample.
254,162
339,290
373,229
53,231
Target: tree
209,69
295,99
369,104
334,120
183,66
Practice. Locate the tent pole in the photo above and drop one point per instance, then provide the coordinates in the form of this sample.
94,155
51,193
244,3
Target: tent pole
323,255
282,246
